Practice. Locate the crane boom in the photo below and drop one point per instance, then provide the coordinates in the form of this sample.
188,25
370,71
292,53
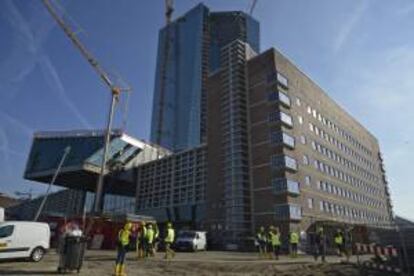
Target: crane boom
75,40
115,92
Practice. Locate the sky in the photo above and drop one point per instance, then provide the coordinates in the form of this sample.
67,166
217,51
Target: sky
361,52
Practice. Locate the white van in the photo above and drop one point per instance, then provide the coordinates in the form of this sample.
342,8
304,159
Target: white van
191,240
24,239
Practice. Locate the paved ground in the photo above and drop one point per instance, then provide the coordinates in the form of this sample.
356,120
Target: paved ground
200,263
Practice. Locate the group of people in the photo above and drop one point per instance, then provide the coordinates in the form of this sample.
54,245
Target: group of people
269,243
341,239
146,238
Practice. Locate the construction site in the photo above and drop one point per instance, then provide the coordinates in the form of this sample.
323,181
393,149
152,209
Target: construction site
242,141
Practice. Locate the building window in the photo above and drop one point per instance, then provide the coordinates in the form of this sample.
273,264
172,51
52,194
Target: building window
288,211
282,185
300,119
295,211
321,206
307,180
287,119
310,126
309,110
303,139
279,96
310,203
298,102
283,161
282,79
291,163
305,160
279,137
315,164
318,185
281,117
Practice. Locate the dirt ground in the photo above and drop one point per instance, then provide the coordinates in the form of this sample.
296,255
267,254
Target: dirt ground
200,263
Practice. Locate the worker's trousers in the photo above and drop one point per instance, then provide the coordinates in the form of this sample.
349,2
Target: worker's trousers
120,258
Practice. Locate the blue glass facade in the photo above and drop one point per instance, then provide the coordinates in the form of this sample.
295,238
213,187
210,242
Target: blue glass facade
195,41
226,27
47,153
177,114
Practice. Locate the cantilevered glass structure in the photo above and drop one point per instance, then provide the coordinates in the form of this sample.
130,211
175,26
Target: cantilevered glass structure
82,165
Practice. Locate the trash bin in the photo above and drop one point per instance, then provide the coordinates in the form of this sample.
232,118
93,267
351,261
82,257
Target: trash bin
71,255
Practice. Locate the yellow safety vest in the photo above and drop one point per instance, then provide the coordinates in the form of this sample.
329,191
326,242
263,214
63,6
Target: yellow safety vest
150,235
339,239
170,235
123,237
294,237
274,238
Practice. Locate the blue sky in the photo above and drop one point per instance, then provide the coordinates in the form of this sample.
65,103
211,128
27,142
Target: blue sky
360,51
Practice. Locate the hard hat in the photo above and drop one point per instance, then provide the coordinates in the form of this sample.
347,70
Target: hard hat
149,225
169,225
320,229
271,227
128,226
261,228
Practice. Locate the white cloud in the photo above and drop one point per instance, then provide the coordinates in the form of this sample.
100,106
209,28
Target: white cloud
55,83
348,25
17,123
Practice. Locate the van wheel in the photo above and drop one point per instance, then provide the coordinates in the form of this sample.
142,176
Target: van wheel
37,254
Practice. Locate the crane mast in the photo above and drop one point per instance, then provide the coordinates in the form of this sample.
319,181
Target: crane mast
252,6
115,92
163,79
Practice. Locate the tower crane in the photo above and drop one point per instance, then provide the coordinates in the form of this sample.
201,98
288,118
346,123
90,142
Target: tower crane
169,8
252,6
114,89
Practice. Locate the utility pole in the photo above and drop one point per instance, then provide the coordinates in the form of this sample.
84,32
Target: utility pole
62,160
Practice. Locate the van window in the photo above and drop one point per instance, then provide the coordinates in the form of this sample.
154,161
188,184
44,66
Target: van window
6,231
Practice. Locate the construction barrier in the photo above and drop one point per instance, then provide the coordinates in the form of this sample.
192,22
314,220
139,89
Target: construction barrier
385,258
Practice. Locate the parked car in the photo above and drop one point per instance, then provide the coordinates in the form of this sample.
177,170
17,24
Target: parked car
24,239
191,240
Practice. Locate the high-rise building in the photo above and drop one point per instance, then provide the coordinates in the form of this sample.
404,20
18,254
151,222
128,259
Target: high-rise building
281,152
228,188
188,49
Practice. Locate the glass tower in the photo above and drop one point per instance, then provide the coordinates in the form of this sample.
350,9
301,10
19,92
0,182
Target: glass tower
188,49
